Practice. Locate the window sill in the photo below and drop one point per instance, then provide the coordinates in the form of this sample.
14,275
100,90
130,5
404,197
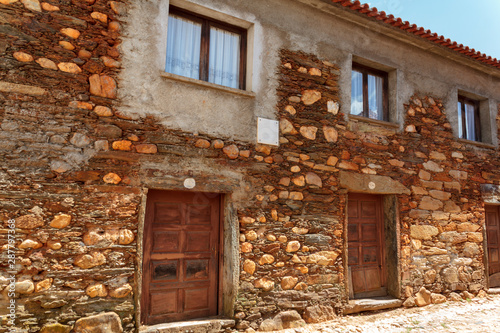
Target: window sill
477,143
373,121
209,85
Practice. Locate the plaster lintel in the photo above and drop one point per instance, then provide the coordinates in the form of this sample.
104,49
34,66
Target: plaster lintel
373,184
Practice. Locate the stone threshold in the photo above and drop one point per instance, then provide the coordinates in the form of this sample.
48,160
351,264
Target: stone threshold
494,291
210,325
372,304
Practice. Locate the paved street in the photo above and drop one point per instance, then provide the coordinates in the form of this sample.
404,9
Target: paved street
479,315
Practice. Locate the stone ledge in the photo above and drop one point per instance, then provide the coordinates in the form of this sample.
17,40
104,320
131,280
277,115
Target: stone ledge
195,326
383,123
477,143
205,84
372,304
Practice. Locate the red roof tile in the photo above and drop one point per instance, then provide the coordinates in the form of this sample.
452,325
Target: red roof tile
417,31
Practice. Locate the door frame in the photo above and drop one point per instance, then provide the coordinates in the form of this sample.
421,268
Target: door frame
391,243
229,270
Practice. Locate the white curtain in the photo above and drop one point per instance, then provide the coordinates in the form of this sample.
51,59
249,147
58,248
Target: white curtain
224,62
356,93
460,121
375,97
183,47
470,122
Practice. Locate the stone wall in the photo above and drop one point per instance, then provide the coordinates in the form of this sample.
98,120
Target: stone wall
441,212
75,171
75,230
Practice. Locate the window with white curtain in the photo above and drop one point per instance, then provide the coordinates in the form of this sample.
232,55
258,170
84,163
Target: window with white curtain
469,126
369,93
204,49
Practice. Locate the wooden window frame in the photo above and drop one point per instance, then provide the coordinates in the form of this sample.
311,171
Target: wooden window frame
365,71
206,23
477,119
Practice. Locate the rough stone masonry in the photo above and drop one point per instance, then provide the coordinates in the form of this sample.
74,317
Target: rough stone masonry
75,170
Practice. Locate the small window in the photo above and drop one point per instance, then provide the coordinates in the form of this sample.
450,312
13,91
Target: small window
469,124
369,93
205,49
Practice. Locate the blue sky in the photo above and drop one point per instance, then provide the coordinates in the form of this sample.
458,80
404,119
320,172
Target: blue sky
474,23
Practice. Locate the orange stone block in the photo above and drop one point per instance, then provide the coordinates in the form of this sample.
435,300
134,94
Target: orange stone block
218,144
69,67
112,178
102,85
103,111
202,143
122,145
269,159
49,8
146,148
231,151
111,63
46,63
80,105
263,149
99,17
23,57
66,45
133,137
84,54
114,26
348,165
70,32
245,153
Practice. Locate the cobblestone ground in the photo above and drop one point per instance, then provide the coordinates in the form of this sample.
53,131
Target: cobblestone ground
479,315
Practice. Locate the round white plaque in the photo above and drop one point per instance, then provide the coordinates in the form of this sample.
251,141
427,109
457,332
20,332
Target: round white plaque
189,183
371,185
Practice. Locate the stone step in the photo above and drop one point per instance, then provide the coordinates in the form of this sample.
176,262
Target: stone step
372,304
494,291
195,326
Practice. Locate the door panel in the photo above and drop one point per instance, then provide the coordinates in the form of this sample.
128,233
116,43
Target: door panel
163,302
365,245
181,248
493,243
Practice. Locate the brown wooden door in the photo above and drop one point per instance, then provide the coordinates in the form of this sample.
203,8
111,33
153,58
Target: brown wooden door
493,243
181,245
365,245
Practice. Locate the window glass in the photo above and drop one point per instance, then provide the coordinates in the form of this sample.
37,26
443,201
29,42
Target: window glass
369,93
183,47
224,63
375,97
356,93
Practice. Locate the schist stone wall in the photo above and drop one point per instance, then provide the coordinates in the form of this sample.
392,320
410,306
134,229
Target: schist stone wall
75,172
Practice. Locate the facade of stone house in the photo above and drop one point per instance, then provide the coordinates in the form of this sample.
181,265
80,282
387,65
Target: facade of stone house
339,154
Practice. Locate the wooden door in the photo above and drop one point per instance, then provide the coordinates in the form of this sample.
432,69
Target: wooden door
365,245
181,264
493,244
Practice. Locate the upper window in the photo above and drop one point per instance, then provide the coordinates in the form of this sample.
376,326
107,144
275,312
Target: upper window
469,125
369,93
205,49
